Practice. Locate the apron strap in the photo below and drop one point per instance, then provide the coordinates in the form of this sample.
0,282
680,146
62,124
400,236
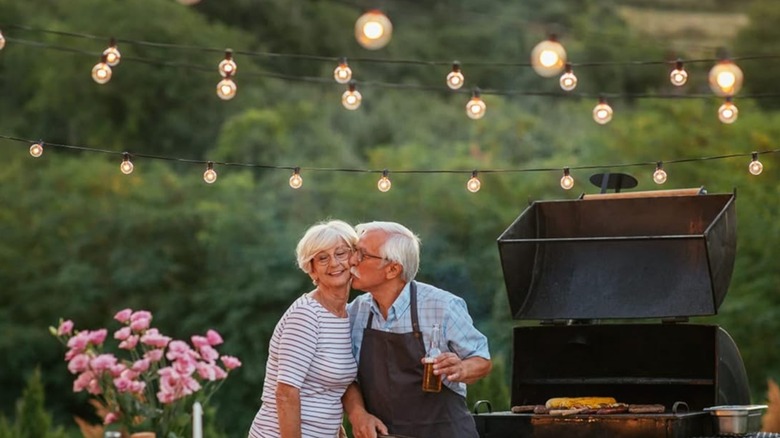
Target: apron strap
415,320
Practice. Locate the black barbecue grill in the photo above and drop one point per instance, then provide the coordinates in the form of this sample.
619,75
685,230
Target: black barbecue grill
611,281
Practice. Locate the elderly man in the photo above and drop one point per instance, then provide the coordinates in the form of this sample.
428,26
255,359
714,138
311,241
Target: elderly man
389,325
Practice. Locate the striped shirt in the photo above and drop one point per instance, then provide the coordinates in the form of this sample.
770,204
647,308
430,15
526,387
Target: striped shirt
434,305
311,350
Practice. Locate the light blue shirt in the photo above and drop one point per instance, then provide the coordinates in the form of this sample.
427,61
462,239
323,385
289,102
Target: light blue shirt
435,306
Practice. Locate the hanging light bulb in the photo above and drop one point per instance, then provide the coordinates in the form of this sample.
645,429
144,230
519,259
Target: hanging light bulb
755,167
112,53
296,181
474,184
373,30
342,73
728,112
351,98
228,67
210,175
659,176
101,72
678,76
455,77
384,183
548,58
568,80
226,88
127,166
725,78
2,41
36,150
476,108
602,113
567,181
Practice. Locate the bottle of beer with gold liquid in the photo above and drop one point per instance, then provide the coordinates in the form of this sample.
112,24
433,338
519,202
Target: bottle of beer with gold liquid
432,382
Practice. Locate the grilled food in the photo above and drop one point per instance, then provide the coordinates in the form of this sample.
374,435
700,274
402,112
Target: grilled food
565,403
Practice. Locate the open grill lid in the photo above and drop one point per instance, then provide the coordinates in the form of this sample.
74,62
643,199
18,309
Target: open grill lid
636,255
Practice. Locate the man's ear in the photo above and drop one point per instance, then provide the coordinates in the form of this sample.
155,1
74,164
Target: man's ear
394,270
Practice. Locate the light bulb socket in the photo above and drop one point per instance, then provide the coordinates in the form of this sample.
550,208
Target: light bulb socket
678,65
126,156
659,165
352,85
755,156
228,54
567,68
474,173
476,93
385,173
112,42
455,66
566,171
210,165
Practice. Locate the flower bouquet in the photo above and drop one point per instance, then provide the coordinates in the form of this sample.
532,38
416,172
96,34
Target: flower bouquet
152,385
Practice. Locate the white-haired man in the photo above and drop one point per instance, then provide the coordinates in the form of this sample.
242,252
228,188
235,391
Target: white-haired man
389,327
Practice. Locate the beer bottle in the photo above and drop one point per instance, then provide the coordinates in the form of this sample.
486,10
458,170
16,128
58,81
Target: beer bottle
432,382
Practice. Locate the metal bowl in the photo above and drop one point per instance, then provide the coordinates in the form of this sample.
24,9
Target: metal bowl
736,419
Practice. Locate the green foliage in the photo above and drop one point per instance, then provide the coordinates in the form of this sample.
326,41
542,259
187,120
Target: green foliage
32,420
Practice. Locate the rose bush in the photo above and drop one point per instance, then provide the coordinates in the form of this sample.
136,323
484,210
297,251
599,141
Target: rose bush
152,381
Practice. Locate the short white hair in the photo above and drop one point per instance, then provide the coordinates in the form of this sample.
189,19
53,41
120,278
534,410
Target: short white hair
401,246
323,236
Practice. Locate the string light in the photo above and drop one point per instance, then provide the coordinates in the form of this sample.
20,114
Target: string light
384,183
210,175
568,80
228,67
351,98
728,112
455,77
127,166
2,40
373,30
678,76
725,78
36,150
755,167
602,113
476,108
567,181
112,53
342,73
296,181
474,184
659,176
226,88
101,72
548,58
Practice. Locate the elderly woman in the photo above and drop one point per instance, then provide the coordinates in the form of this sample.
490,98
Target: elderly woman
310,362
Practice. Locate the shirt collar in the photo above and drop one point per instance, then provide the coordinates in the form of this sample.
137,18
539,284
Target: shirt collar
399,307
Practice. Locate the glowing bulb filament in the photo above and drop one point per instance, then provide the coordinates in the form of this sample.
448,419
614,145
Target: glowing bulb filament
351,98
455,77
384,183
567,181
210,175
112,54
678,76
474,184
476,108
36,150
602,113
101,72
659,176
228,67
373,30
226,88
296,181
127,166
725,78
342,73
548,58
728,112
568,80
755,167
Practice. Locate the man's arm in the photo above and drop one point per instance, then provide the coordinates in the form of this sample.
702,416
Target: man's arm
288,409
364,425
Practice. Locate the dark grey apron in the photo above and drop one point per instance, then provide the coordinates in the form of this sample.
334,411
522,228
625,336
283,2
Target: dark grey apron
390,375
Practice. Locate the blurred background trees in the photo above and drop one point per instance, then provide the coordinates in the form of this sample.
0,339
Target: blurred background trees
80,240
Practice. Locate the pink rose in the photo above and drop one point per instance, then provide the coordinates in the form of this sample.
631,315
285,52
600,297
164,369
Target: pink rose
98,336
78,364
210,372
141,314
214,337
140,366
199,341
65,328
123,333
79,341
129,343
231,362
154,355
208,353
123,315
103,362
82,381
153,338
140,324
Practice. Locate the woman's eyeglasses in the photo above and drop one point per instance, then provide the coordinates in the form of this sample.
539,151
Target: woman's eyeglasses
340,254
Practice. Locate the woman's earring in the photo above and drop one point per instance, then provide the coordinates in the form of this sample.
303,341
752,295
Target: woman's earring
315,281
